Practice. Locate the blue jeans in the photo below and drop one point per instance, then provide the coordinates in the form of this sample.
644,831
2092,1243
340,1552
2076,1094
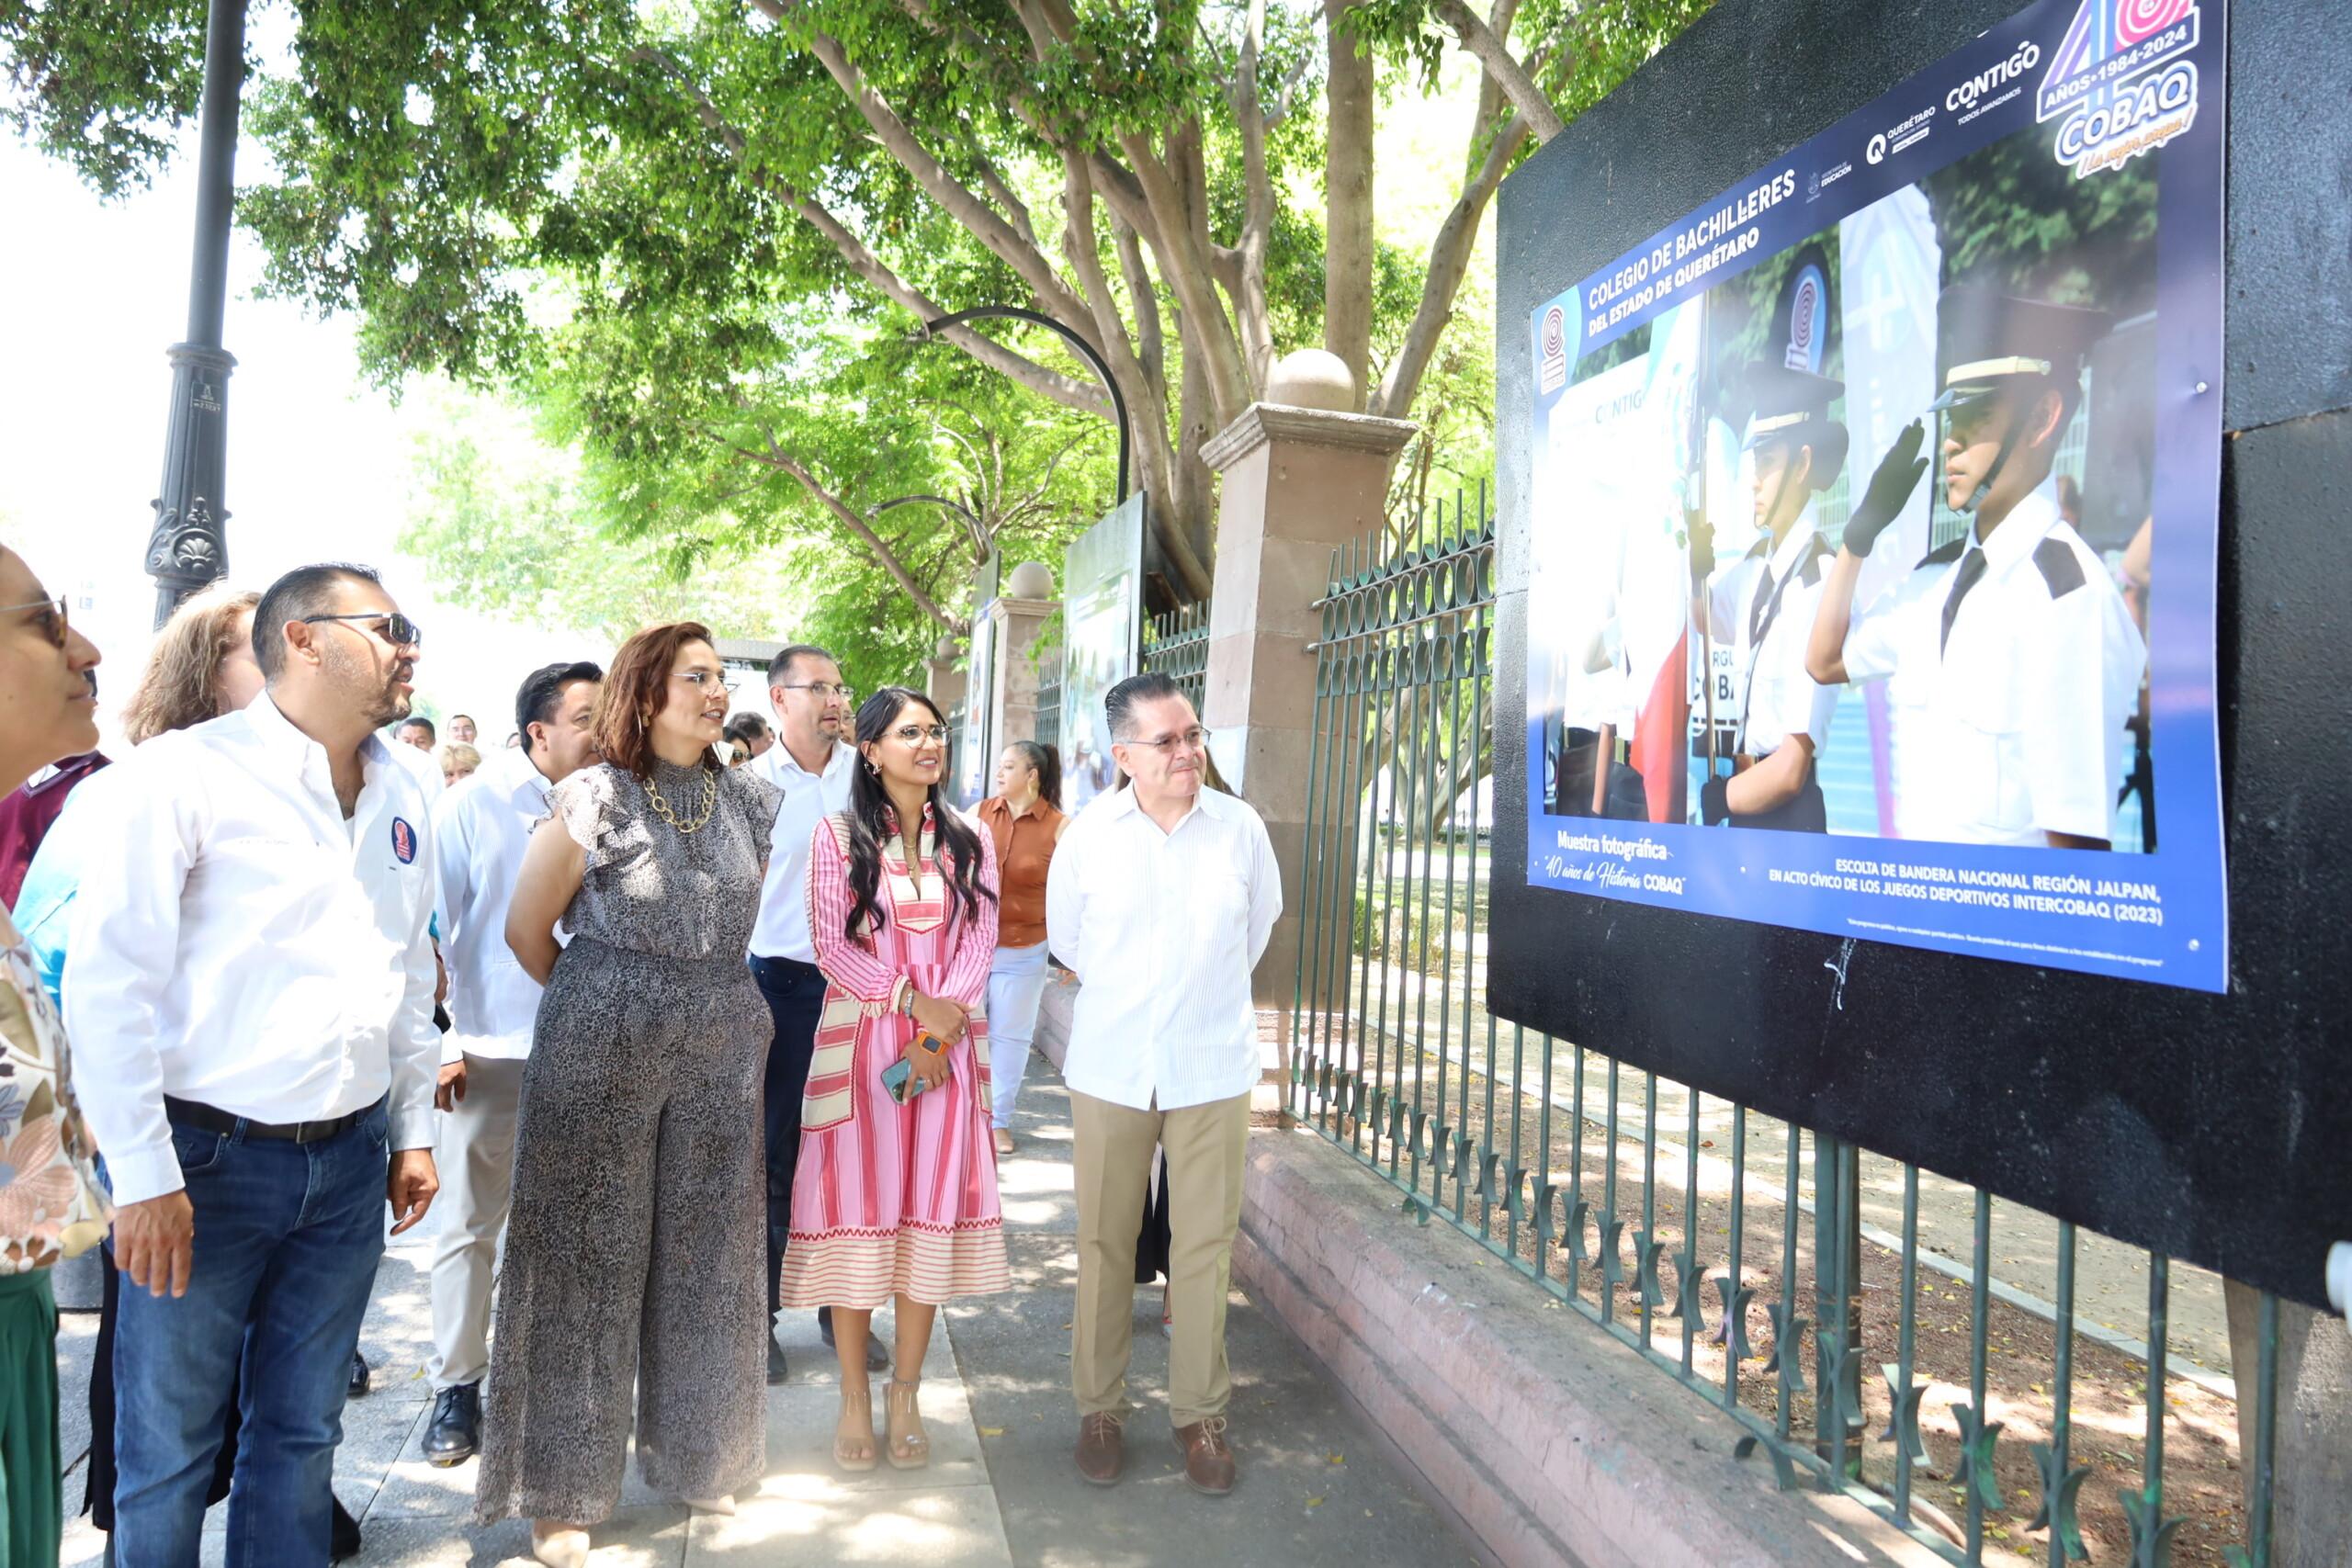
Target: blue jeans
288,1237
1016,985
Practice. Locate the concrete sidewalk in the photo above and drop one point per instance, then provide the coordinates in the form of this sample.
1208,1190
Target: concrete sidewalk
1001,1489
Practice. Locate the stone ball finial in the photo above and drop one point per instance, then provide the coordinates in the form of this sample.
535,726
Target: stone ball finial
1313,379
948,650
1031,580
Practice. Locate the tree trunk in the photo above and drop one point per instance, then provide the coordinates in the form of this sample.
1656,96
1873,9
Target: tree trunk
2310,1521
1347,195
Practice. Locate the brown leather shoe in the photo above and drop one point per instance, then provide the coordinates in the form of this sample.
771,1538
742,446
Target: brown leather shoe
1102,1448
1209,1461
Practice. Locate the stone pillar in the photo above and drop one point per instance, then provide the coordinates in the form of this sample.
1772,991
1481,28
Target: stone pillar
1297,482
1019,614
942,683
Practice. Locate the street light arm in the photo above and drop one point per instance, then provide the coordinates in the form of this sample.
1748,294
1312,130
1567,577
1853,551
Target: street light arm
1078,345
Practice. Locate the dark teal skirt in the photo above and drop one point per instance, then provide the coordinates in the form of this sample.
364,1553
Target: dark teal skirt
28,1467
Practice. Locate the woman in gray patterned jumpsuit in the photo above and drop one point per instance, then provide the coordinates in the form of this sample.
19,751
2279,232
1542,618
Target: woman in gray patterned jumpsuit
635,1248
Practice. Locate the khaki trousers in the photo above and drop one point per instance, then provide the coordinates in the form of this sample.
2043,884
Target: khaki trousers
475,1156
1206,1145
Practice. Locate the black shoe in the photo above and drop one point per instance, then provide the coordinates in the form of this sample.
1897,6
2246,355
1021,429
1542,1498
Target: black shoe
455,1431
776,1371
358,1381
343,1535
878,1356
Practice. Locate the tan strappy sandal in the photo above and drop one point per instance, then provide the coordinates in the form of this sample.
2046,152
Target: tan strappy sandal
845,1458
909,1445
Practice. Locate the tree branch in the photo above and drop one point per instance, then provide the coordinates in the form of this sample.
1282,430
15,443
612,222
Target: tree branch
1449,259
1257,203
778,457
1507,72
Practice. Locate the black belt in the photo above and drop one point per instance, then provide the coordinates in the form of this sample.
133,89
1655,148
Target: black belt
213,1120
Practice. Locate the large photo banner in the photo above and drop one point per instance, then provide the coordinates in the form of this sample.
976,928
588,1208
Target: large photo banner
1874,520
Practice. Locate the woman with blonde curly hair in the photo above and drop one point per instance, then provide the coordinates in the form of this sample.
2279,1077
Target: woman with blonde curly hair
201,666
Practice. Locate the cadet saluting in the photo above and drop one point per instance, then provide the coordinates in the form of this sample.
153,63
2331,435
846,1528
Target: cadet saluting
2032,659
1762,604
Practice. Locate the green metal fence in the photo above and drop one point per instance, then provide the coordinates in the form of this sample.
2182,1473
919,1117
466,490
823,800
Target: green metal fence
1864,1339
1177,645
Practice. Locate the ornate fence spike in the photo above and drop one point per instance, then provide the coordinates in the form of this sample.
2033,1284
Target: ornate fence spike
1572,1228
1903,1428
2152,1533
1690,1295
1978,1440
1646,1284
1612,1260
2060,1489
1788,1334
1731,1334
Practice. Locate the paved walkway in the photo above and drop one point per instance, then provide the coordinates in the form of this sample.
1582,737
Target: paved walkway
1001,1489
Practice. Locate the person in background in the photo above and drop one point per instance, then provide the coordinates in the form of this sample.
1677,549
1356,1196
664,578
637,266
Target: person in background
1160,898
28,811
479,835
811,766
750,734
251,967
462,730
418,732
634,1243
459,761
201,666
1024,825
51,1205
514,740
896,1197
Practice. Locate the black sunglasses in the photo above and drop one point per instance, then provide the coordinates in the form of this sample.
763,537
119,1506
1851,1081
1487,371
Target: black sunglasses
398,629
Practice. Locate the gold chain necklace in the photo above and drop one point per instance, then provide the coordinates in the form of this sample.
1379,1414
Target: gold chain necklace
710,804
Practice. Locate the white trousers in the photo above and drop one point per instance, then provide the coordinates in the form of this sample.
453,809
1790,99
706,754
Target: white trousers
474,1148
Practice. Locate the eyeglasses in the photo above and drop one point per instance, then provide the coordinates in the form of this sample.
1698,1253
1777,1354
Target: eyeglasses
697,677
52,618
914,734
397,630
1192,739
823,691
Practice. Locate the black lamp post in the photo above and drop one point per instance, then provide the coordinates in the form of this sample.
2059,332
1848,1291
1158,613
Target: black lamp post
186,549
1084,350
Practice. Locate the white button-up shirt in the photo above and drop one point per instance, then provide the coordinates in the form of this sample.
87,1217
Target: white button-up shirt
809,798
480,830
1163,929
243,945
2020,729
1762,605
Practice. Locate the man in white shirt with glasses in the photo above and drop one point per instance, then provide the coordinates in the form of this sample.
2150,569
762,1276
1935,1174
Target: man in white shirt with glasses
1161,897
811,762
479,835
250,984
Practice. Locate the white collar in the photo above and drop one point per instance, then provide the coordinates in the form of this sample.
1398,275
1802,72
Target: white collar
2028,524
280,736
1791,552
780,760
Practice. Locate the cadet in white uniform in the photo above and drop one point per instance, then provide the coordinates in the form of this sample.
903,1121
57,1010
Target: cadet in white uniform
1762,606
2032,657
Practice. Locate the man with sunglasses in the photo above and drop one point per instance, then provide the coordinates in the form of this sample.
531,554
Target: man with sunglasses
2027,655
1161,897
251,981
811,762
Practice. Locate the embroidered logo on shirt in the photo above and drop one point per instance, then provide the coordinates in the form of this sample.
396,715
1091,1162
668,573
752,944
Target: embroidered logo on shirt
403,840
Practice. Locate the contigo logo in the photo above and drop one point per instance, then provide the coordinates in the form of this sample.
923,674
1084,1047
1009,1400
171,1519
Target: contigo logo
2024,58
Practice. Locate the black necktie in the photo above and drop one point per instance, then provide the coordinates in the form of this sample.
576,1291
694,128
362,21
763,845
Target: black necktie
1971,567
1756,611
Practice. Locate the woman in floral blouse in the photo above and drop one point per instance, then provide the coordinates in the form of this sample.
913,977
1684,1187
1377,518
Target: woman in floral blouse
50,1206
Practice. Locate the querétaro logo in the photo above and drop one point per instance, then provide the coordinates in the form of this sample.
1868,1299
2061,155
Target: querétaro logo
2120,81
403,840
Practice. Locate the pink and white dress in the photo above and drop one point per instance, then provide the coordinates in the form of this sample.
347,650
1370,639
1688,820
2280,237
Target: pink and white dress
893,1199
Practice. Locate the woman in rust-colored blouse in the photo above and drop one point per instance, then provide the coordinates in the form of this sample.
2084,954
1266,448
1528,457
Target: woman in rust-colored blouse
1022,818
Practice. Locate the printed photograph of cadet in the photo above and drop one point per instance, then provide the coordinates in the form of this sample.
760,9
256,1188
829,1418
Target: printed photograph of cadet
1761,606
2031,660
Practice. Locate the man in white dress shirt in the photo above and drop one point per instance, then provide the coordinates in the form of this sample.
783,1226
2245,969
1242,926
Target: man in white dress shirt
480,833
1161,897
249,985
811,763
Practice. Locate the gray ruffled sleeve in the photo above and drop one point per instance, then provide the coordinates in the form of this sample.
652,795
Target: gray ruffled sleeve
591,807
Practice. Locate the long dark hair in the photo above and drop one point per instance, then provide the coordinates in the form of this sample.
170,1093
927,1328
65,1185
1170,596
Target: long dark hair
1047,761
870,815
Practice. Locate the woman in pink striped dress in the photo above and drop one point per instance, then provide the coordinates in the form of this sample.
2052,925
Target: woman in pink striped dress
895,1199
